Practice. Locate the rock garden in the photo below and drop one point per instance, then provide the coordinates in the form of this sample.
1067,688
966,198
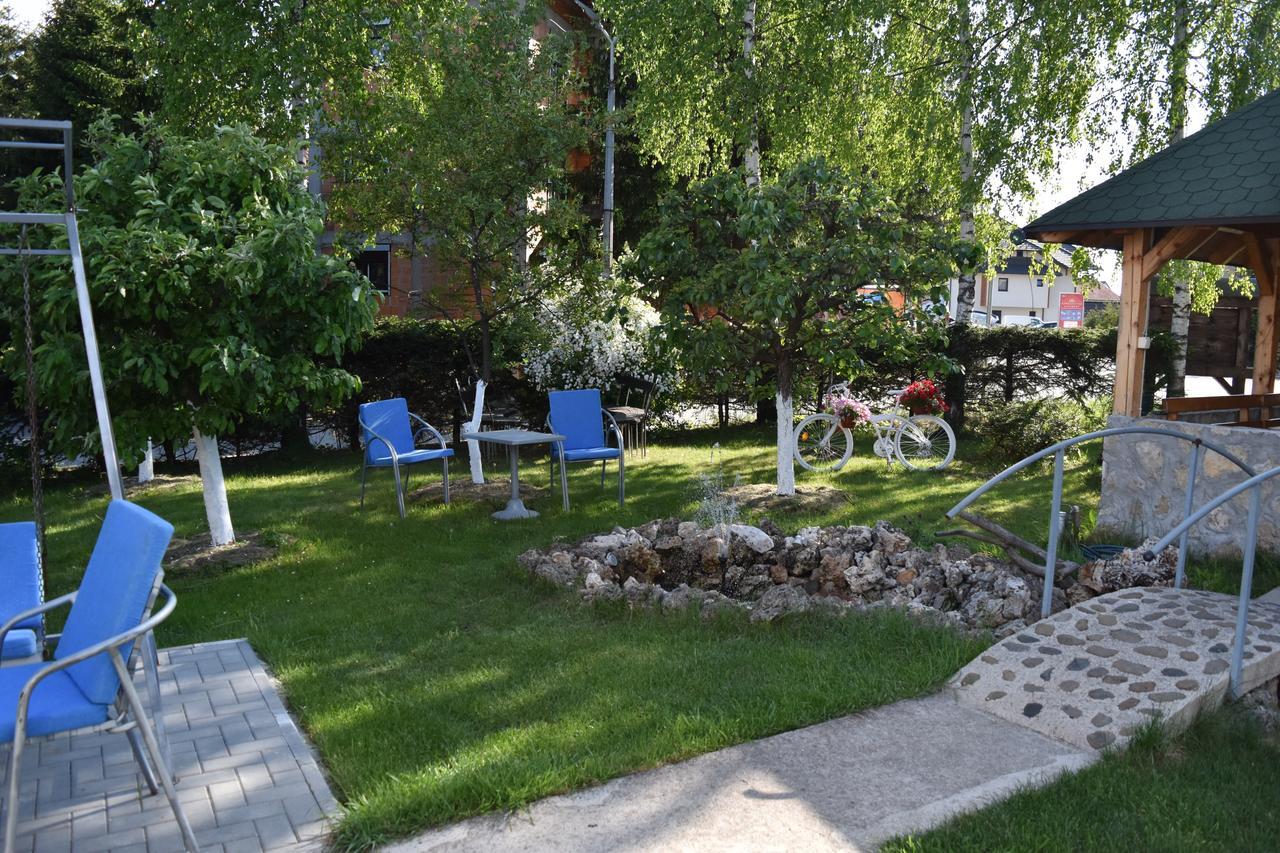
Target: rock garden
674,564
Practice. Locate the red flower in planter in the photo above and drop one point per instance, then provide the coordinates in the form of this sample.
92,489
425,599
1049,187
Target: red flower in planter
923,397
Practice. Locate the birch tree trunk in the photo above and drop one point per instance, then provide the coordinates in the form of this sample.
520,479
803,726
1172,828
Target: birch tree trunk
1181,308
751,159
785,408
965,291
147,467
215,490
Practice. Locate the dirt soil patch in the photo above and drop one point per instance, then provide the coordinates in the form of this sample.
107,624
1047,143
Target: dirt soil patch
491,491
158,483
186,555
760,497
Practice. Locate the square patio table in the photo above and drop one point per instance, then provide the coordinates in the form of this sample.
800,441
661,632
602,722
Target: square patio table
514,439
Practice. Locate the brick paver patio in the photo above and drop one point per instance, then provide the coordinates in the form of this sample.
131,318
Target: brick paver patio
247,777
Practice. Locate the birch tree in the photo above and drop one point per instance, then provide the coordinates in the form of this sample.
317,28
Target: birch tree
1178,58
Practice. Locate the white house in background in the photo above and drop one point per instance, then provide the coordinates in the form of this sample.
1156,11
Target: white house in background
1018,291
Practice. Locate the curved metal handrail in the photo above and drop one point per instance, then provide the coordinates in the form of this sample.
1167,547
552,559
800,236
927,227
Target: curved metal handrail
1058,452
1250,552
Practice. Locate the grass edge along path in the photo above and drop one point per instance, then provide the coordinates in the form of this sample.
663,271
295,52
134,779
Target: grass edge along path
1214,787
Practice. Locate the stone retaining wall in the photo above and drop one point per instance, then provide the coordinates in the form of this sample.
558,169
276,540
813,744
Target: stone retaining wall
1144,482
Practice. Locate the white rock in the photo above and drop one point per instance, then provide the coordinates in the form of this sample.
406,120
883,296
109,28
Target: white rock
757,540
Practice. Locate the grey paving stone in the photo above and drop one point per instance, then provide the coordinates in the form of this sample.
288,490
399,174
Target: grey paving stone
247,778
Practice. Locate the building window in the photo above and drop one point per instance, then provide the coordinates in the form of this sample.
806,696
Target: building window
997,316
375,265
1002,284
1039,282
1033,312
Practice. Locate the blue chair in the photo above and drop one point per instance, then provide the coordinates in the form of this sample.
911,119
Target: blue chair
23,585
580,418
390,441
88,684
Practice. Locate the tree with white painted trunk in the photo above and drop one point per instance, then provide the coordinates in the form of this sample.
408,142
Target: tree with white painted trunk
209,298
762,283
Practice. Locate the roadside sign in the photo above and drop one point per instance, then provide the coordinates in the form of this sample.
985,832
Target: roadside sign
1070,310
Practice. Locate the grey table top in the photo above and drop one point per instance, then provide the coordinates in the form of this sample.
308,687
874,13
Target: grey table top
513,437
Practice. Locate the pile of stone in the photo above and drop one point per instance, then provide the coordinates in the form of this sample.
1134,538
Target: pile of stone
677,564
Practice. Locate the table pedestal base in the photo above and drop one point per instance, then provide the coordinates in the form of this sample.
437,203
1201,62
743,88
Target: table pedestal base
515,509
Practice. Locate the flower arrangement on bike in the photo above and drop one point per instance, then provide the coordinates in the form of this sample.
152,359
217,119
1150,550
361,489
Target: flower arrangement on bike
923,397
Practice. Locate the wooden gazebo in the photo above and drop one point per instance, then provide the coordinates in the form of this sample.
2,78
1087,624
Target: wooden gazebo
1214,196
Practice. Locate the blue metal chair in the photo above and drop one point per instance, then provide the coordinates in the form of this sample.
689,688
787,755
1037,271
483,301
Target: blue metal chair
23,585
88,684
390,441
580,418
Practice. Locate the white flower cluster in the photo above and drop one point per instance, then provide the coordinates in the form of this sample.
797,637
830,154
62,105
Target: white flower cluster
575,351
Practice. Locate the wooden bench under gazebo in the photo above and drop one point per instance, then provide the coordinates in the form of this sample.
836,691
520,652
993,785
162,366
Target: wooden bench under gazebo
1215,197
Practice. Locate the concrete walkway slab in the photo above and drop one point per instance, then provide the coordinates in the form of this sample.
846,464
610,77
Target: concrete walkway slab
846,784
248,779
1094,674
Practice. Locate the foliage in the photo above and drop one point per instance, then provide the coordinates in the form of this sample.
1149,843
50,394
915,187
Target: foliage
270,65
1020,362
576,341
1106,317
756,281
1013,431
82,62
458,137
210,300
404,357
12,47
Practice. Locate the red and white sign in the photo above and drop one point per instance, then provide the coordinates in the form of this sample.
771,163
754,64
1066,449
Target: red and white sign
1070,310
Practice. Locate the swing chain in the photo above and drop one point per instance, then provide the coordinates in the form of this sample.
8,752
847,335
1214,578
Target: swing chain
33,412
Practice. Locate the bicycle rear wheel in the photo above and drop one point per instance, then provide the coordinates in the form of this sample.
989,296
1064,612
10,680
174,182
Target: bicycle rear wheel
925,443
821,444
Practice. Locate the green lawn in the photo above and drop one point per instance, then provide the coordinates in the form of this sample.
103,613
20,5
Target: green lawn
1213,788
439,681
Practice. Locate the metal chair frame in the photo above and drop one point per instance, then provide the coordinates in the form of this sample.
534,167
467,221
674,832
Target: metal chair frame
604,463
401,486
131,717
639,425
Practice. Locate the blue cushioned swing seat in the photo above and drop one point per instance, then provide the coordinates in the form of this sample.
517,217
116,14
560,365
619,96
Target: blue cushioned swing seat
23,590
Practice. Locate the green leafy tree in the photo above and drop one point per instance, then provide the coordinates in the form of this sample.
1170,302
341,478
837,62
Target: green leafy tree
1180,57
458,138
979,98
12,47
758,281
81,61
210,300
270,64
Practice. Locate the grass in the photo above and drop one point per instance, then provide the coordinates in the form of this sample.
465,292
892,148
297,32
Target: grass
1212,788
439,681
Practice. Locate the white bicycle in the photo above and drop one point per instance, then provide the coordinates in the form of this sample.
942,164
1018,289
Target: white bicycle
920,442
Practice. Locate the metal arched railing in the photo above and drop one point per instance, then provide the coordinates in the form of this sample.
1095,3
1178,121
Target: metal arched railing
1250,551
1058,452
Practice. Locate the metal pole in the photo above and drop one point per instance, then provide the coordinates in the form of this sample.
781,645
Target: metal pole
1193,468
95,366
606,219
606,225
1246,590
1055,529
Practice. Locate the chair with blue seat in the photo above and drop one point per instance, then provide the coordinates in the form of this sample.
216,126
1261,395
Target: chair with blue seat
23,584
580,418
390,441
88,684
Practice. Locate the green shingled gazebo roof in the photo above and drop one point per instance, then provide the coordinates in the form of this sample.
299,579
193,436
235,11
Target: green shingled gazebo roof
1227,175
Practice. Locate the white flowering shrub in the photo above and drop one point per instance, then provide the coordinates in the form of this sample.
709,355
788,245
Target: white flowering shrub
578,345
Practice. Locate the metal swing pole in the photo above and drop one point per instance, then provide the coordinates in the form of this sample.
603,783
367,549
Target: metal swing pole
67,219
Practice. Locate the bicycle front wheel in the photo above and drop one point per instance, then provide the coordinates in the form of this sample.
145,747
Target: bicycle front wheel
821,444
925,443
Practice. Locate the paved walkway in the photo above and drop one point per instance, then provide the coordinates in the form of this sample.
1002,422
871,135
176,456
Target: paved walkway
247,777
1094,674
845,784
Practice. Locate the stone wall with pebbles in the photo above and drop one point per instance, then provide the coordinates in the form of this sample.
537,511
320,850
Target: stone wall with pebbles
677,564
1094,674
1144,482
